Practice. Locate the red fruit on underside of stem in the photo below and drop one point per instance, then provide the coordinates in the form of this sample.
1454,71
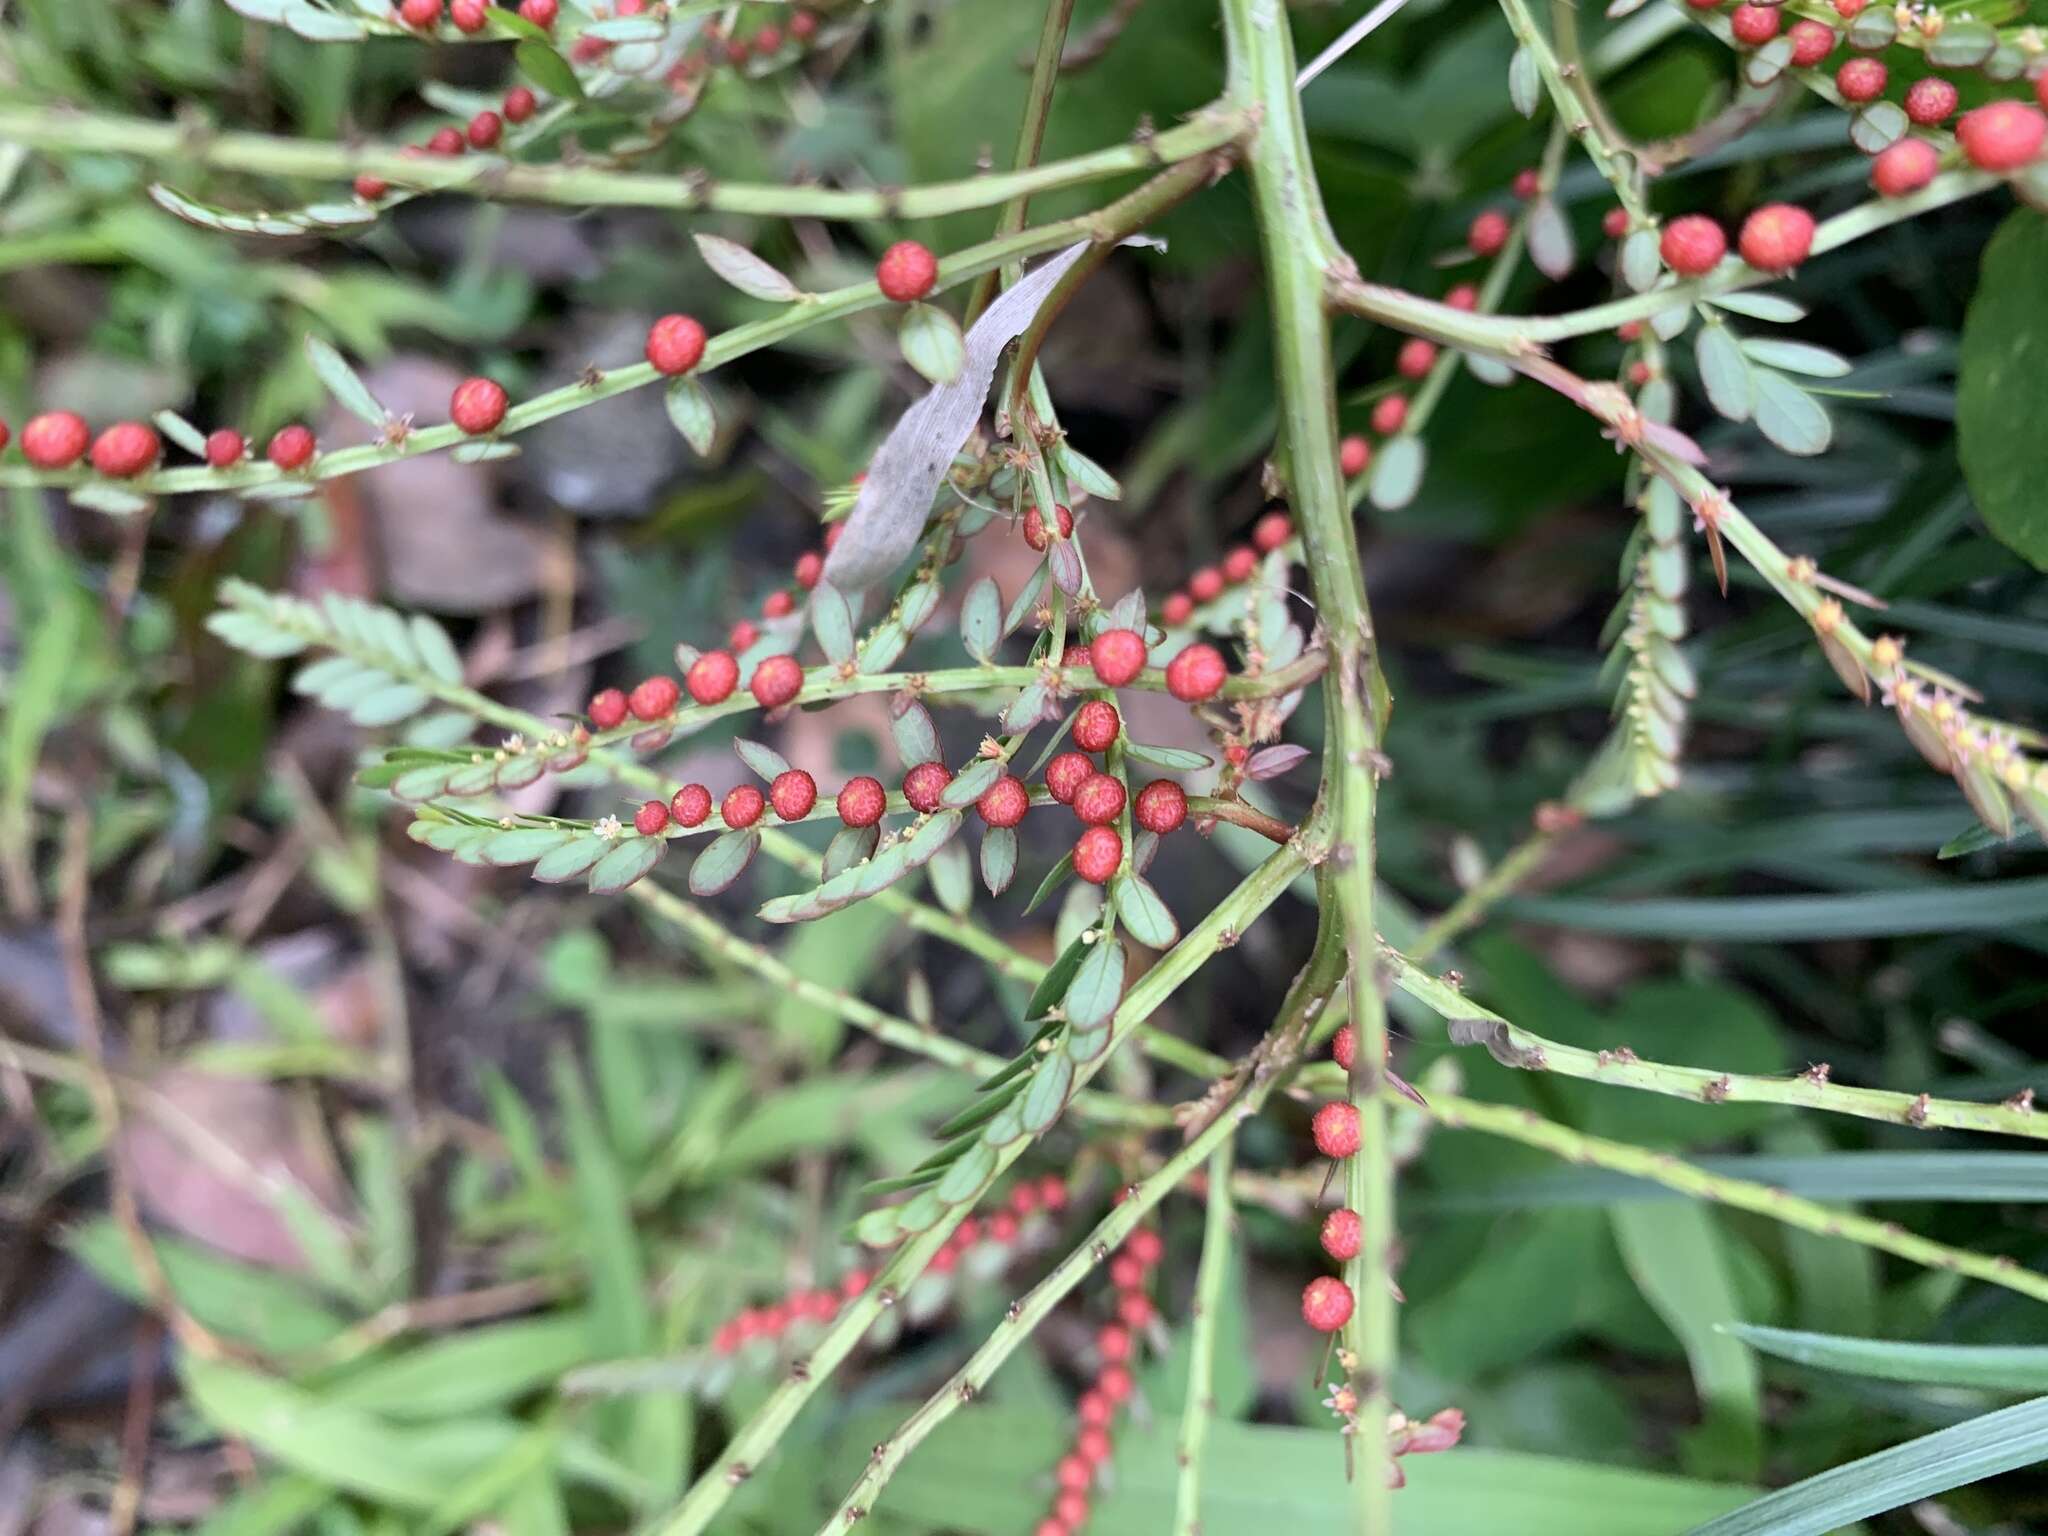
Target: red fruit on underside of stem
1390,415
1272,531
1196,674
776,680
1206,585
1240,564
1861,80
1416,357
1776,237
1176,610
675,344
1099,800
1930,100
126,448
1341,1233
1035,533
1353,454
690,805
777,605
225,447
1095,726
742,806
478,406
1754,25
372,189
1906,166
541,13
608,709
468,16
793,794
809,570
292,447
419,14
1344,1046
1160,807
1118,656
55,439
485,129
1335,1128
1693,245
1004,802
519,104
654,697
1326,1304
1067,773
1812,41
650,818
906,272
712,677
1487,233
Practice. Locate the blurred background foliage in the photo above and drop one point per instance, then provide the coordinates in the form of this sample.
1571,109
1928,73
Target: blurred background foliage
362,1080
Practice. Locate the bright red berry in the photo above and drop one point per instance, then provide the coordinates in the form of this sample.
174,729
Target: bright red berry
1326,1304
1930,100
225,447
675,344
1146,1246
1639,373
2002,136
1344,1046
736,52
1051,1525
1135,1308
1904,167
1754,25
519,104
776,680
1776,237
1099,800
1067,773
793,794
1272,531
862,801
1098,853
126,448
803,26
1812,41
1176,610
1240,564
608,709
742,806
906,272
768,41
1034,527
1849,10
1077,657
1125,1272
777,605
654,698
1336,1129
1630,331
419,14
371,189
1465,296
1095,726
446,141
2041,89
1861,79
1196,674
485,129
1390,415
856,1282
1024,1199
650,818
1488,233
1206,585
924,784
810,567
712,677
1070,1509
1092,1446
1416,357
1614,223
1113,1343
55,439
468,15
690,805
1052,1192
1118,655
1115,1383
1353,454
1073,1473
1341,1234
292,447
1693,245
1526,182
1161,806
1094,1409
1004,802
541,13
743,634
478,406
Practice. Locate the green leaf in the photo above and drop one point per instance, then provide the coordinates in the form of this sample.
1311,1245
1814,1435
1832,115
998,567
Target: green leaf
1525,85
388,705
570,861
952,878
1724,372
1550,240
691,412
437,652
1759,306
113,500
1098,985
932,343
548,70
1878,126
767,763
1994,1367
1089,475
1961,44
523,845
2001,412
1768,62
630,858
1797,357
1143,912
1873,29
181,432
271,1311
998,858
1047,1095
745,271
342,383
1641,261
1789,416
973,782
723,861
981,618
1397,472
1172,759
832,621
470,1372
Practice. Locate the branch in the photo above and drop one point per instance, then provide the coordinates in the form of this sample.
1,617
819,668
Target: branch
1045,69
1200,1405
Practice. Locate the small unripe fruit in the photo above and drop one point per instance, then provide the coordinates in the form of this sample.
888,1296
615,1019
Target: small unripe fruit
906,272
1776,237
1118,655
478,406
742,806
1176,610
1341,1233
225,447
690,805
1488,233
675,344
1692,246
371,189
446,141
776,680
1930,100
1326,1304
1861,79
1095,726
1240,564
1353,454
519,104
1004,802
1390,415
1099,800
485,129
292,447
126,448
1614,223
650,818
1904,167
1098,853
1196,674
777,605
1465,296
1336,1129
810,567
1526,183
1067,773
1416,357
541,13
1161,806
862,801
1035,531
924,784
608,709
1206,585
2002,136
55,439
1812,41
1754,25
793,794
1272,531
742,634
468,16
654,698
712,677
419,14
1344,1046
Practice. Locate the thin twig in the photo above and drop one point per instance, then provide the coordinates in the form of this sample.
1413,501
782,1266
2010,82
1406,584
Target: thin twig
1199,1407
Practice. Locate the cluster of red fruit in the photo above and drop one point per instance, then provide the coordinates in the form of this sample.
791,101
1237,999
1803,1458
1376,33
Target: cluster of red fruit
483,132
1775,238
59,439
1327,1301
1238,565
768,41
1417,356
1116,1346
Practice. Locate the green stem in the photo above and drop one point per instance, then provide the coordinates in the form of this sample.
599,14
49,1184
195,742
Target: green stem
1572,110
1045,71
1472,907
1200,1405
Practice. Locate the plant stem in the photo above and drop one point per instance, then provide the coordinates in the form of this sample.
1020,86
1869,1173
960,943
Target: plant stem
1571,105
1200,1405
1672,1172
1045,71
1472,907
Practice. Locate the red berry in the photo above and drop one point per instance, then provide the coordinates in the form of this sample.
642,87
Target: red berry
55,439
1776,237
1004,802
1326,1304
1692,245
1464,296
371,189
1099,800
1754,25
1077,657
1196,674
856,1282
1098,854
541,13
906,272
924,784
1488,233
1161,806
1074,1474
1052,1526
810,566
1849,10
1272,531
690,805
224,447
1146,1246
1904,167
1812,41
1113,1343
777,605
1390,415
1353,454
126,448
1336,1129
1067,773
1052,1192
1240,563
1930,100
742,806
675,344
419,14
1095,726
485,129
1860,79
650,818
1034,527
1135,1308
478,406
1092,1446
1070,1509
1341,1233
292,447
768,41
1525,183
1118,655
2002,136
1176,610
2041,89
1639,373
776,680
468,15
446,141
793,794
1614,223
803,26
736,52
1630,330
862,801
1115,1383
712,677
1094,1409
743,634
1024,1199
1344,1046
1003,1228
1126,1272
519,104
608,709
1206,585
654,697
1416,357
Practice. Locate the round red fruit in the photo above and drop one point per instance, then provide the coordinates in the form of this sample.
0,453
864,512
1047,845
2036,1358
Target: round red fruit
777,605
1113,1343
292,447
675,344
1095,726
2002,136
520,104
1067,773
862,801
1860,80
1465,296
484,131
446,141
1135,1308
924,785
1776,237
650,818
126,448
906,272
712,677
1849,10
1034,527
1272,531
1390,415
1146,1246
1176,610
1614,223
742,806
1344,1047
1336,1129
742,634
1240,564
478,406
1930,100
1488,233
803,26
371,189
1353,454
225,447
1693,245
776,680
419,14
608,709
468,15
1326,1304
1206,585
690,805
1070,1509
1092,1446
541,13
1526,182
1754,25
1118,655
768,41
1341,1233
654,698
1812,41
1161,806
1098,853
1904,167
55,439
1004,802
793,794
1416,357
1196,674
1099,800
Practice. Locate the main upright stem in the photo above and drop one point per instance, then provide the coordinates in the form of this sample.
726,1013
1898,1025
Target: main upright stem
1300,251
